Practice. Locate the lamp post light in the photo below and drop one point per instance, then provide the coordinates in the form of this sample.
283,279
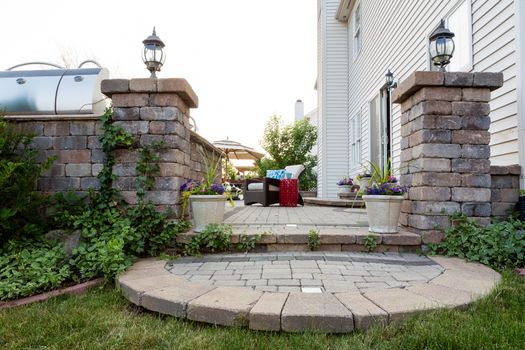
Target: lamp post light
441,46
152,55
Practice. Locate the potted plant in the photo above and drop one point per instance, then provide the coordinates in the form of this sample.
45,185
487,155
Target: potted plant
206,198
363,180
345,185
383,198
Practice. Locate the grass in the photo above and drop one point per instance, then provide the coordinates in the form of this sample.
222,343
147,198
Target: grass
102,319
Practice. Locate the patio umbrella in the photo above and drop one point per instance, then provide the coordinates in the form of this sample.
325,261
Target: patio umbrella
235,150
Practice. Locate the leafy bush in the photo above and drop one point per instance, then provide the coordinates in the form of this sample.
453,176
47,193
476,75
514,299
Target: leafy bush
27,268
314,241
20,205
214,238
370,242
248,242
289,145
498,245
113,237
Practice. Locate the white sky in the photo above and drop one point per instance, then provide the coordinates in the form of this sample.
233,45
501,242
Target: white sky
245,59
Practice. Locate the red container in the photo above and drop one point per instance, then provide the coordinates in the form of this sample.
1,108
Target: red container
288,192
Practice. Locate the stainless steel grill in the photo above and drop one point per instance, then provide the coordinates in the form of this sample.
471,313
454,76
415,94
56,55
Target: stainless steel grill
52,91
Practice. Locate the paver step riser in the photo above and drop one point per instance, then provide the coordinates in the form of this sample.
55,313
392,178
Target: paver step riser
453,283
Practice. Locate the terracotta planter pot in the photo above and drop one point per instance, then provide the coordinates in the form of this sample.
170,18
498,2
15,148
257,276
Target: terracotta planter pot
383,213
207,209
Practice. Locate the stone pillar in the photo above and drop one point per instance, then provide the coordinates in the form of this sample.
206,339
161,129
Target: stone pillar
445,148
154,110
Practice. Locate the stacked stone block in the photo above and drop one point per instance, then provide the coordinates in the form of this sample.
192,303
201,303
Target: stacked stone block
157,110
505,189
445,148
74,143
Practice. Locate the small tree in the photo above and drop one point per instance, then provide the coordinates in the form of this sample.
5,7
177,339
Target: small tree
289,145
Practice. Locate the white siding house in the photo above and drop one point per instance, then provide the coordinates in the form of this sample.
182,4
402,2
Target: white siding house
359,40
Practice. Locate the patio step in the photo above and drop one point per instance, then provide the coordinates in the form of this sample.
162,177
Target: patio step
349,203
281,238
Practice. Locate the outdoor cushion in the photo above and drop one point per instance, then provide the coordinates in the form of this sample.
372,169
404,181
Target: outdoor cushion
275,174
296,170
258,186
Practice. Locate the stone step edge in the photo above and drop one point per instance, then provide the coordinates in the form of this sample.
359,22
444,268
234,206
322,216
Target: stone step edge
459,285
349,236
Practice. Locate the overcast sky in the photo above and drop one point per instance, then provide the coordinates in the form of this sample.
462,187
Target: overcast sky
246,59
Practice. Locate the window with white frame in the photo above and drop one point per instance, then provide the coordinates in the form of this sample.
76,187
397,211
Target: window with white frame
357,35
355,140
459,22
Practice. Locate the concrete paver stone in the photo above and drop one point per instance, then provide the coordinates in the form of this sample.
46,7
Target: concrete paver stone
266,314
174,300
315,312
365,312
224,306
399,303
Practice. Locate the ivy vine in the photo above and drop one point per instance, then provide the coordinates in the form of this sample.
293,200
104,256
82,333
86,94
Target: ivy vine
112,136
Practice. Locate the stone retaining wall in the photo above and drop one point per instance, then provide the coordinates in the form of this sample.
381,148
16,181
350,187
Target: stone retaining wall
151,110
505,189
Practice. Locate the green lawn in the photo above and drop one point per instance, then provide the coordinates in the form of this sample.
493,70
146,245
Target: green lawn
102,319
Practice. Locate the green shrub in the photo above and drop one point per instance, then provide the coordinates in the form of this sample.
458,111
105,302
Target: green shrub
289,145
27,268
248,242
499,245
314,241
213,238
20,206
370,242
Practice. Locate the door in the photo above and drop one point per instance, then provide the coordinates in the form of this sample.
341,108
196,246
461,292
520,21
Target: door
380,129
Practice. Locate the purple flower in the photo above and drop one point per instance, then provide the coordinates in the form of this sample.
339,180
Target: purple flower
219,189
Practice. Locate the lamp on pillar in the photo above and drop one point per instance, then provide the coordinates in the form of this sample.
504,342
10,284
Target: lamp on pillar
152,55
441,46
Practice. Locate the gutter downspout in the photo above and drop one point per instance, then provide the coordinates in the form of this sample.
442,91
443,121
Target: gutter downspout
520,86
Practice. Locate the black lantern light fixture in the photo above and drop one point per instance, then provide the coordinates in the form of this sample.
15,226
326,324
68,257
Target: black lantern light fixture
390,83
152,55
441,46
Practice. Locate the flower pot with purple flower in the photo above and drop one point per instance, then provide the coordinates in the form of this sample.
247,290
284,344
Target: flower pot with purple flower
363,180
383,198
207,199
345,186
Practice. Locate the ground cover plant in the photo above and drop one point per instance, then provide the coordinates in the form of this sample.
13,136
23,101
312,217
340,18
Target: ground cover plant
112,233
499,245
103,319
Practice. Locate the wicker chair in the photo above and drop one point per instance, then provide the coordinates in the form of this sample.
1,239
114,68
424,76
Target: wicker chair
266,190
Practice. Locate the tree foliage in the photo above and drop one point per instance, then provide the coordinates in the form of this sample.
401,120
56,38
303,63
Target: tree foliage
289,145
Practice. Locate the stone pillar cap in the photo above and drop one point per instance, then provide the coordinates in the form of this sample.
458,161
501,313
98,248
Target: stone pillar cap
179,86
421,79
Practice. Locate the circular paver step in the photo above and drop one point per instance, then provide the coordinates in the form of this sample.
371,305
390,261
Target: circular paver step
301,291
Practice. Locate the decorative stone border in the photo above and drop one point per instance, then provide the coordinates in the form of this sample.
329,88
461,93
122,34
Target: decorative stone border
76,289
148,284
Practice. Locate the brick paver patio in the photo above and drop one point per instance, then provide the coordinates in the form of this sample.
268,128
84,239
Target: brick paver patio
347,290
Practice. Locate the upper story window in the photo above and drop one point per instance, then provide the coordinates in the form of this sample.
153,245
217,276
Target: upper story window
459,21
357,38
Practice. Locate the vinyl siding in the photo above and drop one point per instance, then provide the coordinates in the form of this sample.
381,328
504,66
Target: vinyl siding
394,36
333,101
494,43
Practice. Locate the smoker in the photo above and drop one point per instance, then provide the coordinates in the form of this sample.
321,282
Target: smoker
58,91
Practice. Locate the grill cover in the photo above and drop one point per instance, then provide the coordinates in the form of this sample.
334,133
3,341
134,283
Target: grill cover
52,91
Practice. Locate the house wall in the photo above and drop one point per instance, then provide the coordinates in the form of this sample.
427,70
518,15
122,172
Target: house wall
394,36
333,100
